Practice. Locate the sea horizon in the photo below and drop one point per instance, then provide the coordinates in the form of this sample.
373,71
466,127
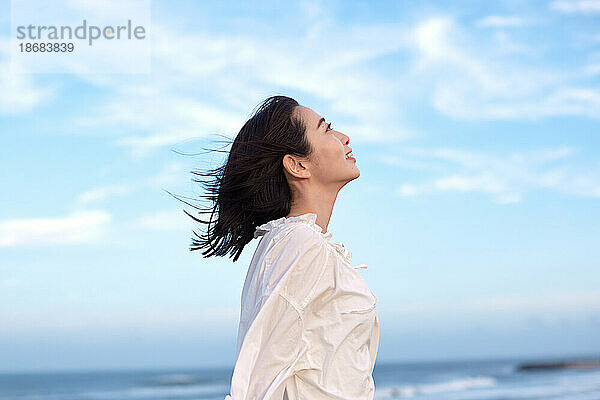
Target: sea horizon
524,358
475,379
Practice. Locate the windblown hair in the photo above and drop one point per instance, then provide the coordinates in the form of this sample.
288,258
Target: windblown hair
250,188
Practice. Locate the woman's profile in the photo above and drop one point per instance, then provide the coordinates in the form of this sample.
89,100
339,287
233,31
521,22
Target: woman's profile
308,325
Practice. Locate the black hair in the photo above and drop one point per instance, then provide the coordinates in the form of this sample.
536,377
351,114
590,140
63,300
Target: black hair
250,188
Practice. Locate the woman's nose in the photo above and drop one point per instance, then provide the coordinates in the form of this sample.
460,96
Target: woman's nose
345,139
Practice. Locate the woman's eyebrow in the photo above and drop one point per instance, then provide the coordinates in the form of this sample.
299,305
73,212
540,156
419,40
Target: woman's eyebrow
321,120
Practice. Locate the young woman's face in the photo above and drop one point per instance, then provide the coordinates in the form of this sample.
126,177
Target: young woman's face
328,162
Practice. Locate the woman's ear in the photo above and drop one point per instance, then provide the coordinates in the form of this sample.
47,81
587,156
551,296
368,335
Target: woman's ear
295,166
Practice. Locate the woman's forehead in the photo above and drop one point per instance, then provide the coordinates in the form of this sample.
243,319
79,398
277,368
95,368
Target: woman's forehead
309,116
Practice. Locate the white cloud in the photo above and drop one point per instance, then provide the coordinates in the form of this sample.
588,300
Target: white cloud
453,100
464,84
576,6
11,283
593,69
232,72
206,82
174,119
484,183
170,173
574,101
19,91
77,227
505,45
103,192
506,177
163,220
501,21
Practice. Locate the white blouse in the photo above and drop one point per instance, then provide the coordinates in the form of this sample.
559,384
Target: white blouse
309,327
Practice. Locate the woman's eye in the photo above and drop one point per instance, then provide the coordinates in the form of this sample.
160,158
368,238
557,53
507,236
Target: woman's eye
329,126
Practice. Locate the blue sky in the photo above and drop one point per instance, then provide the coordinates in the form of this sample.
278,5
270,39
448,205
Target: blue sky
475,128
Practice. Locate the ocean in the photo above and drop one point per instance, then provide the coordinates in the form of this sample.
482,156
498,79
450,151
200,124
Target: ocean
456,380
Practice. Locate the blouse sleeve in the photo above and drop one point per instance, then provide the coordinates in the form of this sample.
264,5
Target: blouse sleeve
270,351
273,347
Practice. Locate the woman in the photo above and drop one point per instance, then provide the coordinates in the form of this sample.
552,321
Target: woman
308,325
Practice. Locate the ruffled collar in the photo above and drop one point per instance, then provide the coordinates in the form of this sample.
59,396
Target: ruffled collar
311,220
